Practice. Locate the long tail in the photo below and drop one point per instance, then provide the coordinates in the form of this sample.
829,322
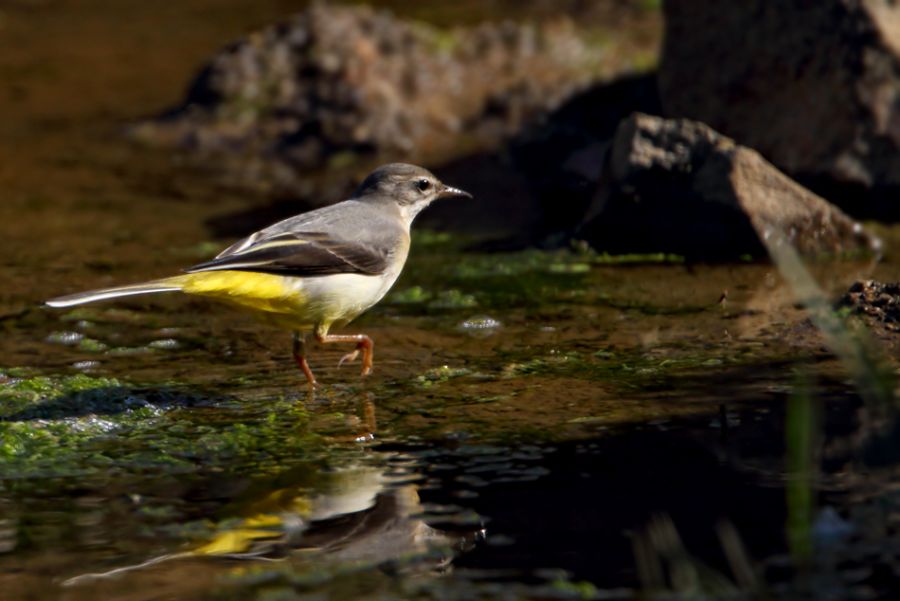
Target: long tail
164,285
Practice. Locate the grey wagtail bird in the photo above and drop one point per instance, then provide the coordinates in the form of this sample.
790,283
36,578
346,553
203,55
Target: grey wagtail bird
316,270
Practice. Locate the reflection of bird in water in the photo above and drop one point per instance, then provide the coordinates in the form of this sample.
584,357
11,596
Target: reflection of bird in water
364,422
358,515
315,270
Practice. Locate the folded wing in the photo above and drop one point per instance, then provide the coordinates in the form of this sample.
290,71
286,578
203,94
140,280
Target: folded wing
299,254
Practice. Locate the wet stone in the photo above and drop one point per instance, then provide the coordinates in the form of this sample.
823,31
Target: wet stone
760,88
332,84
86,365
879,301
678,186
480,326
164,344
878,305
65,338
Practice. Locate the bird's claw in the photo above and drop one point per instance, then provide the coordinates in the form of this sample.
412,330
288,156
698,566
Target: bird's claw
349,358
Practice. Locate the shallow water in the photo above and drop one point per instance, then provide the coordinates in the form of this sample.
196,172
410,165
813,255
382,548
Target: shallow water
531,416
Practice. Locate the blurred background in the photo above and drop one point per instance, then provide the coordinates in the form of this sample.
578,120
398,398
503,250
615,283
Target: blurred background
654,357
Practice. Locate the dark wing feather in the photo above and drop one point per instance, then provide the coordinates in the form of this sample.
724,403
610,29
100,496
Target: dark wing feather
299,254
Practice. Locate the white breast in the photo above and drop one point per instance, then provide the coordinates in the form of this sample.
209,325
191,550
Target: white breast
341,297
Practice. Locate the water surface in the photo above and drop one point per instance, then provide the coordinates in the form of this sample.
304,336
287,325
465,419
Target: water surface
533,416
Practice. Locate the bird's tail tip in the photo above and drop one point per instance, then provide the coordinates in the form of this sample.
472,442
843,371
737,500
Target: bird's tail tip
80,298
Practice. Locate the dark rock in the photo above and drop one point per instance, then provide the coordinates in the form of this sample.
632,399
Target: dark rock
877,302
333,84
537,190
813,86
677,186
562,157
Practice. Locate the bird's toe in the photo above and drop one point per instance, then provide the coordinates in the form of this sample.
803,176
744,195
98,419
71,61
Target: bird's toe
348,358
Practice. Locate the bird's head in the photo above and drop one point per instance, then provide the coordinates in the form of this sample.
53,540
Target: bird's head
412,188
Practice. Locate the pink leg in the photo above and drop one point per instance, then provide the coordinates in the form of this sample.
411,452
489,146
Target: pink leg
299,352
363,343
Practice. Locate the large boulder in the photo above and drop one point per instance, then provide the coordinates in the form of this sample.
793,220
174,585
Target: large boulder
813,86
336,83
677,186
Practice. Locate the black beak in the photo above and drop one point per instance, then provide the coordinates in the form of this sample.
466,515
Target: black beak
449,192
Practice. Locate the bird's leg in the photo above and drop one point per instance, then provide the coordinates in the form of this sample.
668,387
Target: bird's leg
367,407
299,352
363,343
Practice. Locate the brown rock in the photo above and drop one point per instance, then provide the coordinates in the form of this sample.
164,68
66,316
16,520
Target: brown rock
677,186
335,83
813,86
877,302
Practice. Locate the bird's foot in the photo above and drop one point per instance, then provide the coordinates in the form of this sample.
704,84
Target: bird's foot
349,357
364,344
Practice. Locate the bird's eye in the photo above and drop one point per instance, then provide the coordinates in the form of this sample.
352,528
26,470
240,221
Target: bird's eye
423,184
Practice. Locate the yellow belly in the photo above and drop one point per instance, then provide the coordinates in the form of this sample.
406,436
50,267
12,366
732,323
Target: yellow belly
289,302
258,291
269,296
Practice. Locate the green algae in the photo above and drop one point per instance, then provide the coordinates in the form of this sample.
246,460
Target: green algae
434,240
527,278
453,299
446,279
92,346
443,373
519,263
636,258
80,424
410,296
629,368
20,393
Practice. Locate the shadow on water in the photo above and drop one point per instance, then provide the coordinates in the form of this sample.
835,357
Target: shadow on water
112,400
596,495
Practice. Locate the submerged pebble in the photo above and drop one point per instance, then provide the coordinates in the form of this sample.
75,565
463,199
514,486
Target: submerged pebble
480,325
165,344
89,425
86,365
65,338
